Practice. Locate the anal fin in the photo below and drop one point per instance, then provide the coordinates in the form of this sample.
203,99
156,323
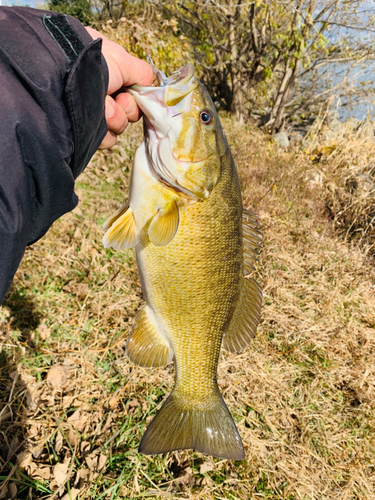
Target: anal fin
146,346
121,232
246,317
164,225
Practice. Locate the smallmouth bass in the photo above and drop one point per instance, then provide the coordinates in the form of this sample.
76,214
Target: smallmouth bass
195,247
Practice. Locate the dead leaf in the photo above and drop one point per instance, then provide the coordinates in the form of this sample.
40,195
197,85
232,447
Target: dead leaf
206,467
58,442
187,477
5,416
78,420
67,401
93,476
57,376
12,490
24,459
32,398
101,462
44,331
134,403
81,477
26,378
60,472
207,481
33,431
107,425
37,452
85,448
113,402
74,492
91,462
77,211
94,462
43,472
13,447
124,492
72,438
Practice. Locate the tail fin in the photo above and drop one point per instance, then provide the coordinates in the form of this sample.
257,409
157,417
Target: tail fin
178,426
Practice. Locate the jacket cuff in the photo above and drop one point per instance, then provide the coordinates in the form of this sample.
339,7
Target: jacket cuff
87,117
82,92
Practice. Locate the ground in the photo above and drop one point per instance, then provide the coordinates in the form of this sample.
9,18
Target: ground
302,394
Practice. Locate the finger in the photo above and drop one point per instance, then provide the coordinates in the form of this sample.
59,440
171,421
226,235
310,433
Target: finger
109,140
115,116
135,70
128,104
124,69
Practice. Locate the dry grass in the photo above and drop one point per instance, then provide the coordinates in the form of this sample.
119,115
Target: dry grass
345,166
302,394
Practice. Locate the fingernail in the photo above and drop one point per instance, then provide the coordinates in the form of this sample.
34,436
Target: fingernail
109,108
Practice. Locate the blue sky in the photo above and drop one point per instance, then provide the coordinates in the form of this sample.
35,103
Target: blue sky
30,3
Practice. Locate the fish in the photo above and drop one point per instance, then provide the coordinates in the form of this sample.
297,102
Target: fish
196,247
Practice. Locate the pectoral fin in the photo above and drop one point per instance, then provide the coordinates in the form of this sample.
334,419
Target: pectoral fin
164,225
245,318
146,346
122,231
113,218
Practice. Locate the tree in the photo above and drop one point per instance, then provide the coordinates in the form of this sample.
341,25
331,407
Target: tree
81,9
277,59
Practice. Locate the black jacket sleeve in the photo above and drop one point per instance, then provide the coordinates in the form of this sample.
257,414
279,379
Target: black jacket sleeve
53,82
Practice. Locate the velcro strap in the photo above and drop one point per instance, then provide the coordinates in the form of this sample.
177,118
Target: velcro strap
62,32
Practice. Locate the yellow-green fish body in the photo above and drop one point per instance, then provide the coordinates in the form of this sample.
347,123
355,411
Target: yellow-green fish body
194,245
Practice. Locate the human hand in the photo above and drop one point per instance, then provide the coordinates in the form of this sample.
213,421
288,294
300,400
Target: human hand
124,69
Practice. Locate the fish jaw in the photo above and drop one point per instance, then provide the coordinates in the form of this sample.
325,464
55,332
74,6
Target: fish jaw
171,125
161,125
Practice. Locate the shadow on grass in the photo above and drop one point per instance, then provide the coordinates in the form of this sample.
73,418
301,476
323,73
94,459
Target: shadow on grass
23,313
20,320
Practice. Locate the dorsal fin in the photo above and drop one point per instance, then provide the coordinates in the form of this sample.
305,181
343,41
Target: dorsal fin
247,313
252,240
245,319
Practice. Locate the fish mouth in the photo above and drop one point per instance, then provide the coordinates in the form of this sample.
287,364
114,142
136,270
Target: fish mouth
182,80
169,94
160,104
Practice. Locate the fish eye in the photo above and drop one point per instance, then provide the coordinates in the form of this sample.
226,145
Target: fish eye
206,117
